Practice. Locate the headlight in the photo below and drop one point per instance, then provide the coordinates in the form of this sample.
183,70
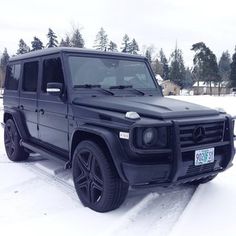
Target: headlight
150,138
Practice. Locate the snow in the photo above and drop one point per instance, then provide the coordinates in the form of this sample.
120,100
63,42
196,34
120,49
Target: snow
212,209
37,197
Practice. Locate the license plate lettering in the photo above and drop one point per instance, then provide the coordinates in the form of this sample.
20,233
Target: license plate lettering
204,156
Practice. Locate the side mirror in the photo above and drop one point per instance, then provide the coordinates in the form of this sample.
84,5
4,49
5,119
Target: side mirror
55,88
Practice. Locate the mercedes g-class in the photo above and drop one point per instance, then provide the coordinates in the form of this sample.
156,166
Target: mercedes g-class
104,114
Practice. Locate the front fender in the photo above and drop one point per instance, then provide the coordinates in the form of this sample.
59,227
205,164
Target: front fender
111,140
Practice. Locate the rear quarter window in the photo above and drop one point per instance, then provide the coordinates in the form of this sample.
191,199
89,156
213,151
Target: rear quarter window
13,76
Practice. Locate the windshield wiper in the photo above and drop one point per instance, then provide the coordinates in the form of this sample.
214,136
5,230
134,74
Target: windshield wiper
127,86
88,86
93,86
120,86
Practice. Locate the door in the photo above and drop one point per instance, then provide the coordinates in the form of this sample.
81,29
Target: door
53,122
28,96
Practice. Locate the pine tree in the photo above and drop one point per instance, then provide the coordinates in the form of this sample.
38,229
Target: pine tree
177,68
133,47
112,47
148,55
36,44
52,39
233,71
157,67
126,44
205,64
77,40
101,41
224,69
62,43
188,80
23,48
4,60
66,42
165,66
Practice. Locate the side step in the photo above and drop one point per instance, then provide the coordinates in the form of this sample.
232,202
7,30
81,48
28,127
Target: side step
46,153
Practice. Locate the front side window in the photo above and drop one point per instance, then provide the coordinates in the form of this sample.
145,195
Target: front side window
110,72
52,72
13,76
30,76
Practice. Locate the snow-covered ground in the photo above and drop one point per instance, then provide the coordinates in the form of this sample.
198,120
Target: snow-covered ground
38,198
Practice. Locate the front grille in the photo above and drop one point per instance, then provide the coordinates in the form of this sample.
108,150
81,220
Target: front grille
211,133
196,170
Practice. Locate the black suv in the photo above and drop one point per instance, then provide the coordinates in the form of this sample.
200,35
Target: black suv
104,115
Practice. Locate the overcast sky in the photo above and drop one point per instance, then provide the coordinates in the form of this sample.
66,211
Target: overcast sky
158,22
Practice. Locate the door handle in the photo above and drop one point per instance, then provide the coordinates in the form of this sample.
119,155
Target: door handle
41,111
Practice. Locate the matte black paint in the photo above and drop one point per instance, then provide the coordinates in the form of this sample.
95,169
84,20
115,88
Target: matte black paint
50,124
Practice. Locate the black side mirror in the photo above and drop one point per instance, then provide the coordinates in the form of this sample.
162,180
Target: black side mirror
55,89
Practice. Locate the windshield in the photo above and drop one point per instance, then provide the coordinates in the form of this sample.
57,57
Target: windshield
109,73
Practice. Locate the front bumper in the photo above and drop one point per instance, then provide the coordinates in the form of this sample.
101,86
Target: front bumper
179,166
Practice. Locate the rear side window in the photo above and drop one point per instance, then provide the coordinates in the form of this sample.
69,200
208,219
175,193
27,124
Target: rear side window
13,76
30,76
52,72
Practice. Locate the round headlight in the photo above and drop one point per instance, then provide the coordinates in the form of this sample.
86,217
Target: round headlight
149,136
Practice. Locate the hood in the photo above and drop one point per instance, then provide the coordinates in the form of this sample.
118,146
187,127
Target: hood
151,106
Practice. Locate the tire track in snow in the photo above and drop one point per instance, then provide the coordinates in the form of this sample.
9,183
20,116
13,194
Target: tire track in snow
145,211
155,214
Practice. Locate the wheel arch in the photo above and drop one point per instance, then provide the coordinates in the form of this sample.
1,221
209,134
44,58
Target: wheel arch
104,138
17,118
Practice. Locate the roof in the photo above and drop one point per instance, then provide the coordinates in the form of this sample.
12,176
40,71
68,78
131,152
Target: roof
206,85
170,82
49,51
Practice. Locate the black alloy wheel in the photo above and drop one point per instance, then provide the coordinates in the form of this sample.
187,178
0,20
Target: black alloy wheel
12,143
97,183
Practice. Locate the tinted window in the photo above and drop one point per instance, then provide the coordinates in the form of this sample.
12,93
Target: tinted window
30,76
110,72
52,72
13,76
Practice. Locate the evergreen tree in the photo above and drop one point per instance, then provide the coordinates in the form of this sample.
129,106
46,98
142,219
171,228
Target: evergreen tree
36,44
77,40
188,80
101,41
3,64
148,55
66,42
233,71
205,63
165,66
133,47
126,44
23,48
112,46
177,68
157,67
224,69
4,60
52,39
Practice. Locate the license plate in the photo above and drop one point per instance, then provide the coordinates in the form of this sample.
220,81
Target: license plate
204,156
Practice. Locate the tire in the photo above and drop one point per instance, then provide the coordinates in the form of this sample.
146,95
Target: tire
13,149
96,180
204,180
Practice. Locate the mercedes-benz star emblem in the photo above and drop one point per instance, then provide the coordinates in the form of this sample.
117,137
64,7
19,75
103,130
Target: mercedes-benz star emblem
198,134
